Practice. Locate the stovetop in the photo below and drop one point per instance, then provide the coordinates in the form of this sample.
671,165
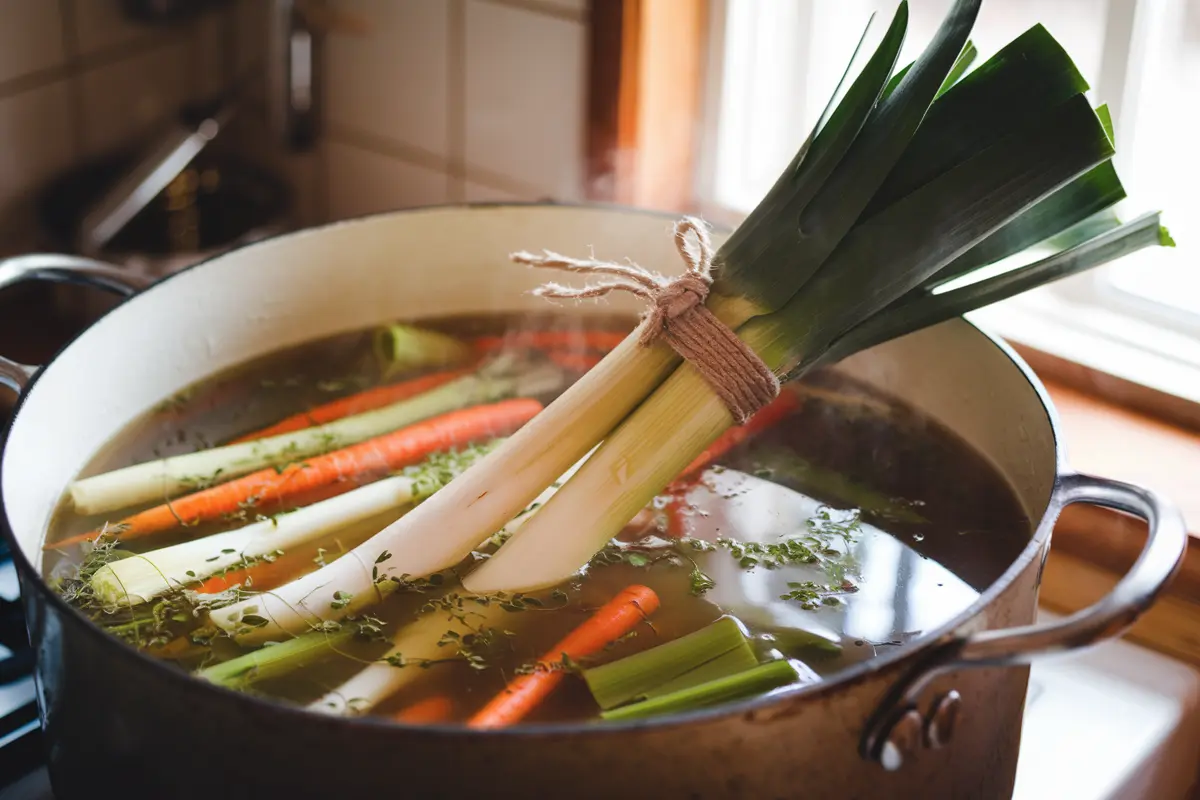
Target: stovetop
21,765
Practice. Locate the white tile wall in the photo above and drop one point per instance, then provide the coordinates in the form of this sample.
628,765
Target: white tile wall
363,182
101,25
76,79
35,131
135,95
525,96
393,80
489,93
438,101
31,37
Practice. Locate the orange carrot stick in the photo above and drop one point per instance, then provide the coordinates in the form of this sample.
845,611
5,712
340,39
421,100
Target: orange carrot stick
552,340
352,465
438,708
369,400
265,575
610,622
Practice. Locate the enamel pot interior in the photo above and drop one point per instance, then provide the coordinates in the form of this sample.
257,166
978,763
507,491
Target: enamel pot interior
437,261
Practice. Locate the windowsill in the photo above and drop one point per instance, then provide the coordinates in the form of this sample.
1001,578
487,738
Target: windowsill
1094,547
1152,370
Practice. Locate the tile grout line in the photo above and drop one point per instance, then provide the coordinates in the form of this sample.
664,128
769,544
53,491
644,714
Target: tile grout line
81,64
410,154
545,10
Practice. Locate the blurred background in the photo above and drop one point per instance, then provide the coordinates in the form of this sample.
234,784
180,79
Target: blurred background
153,133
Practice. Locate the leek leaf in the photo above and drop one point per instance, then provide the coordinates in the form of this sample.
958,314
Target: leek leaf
899,248
741,272
1082,199
961,65
1085,199
918,313
885,135
1022,81
965,59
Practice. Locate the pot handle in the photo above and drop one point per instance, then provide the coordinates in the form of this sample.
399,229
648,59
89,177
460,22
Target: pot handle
61,269
898,728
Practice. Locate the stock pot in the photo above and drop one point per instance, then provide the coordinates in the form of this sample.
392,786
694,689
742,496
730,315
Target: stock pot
940,717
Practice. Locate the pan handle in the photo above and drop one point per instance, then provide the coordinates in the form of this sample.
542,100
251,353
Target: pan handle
61,269
898,728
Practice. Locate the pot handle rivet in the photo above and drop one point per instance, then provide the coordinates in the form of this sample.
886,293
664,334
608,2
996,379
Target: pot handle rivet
902,740
943,716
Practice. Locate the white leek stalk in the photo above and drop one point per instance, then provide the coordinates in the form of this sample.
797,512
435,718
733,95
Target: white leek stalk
161,479
348,585
443,531
640,458
140,578
415,643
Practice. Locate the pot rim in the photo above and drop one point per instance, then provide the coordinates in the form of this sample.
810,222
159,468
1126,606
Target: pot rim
380,726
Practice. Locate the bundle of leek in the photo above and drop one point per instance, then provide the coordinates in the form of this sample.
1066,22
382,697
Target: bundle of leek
914,178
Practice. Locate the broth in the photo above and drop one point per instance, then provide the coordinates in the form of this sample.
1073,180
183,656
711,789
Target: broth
901,524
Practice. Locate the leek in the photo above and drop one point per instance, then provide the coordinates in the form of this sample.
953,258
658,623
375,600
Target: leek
164,478
758,680
684,416
434,637
714,651
144,576
346,586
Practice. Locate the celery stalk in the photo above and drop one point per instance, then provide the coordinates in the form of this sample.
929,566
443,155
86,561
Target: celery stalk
759,680
156,480
400,348
711,652
272,662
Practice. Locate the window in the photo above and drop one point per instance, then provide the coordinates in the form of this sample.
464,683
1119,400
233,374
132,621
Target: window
1138,318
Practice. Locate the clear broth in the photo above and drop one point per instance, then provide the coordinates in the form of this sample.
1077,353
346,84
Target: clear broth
936,525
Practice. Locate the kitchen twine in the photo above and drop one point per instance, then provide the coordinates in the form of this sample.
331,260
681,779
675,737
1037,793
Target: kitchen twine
677,314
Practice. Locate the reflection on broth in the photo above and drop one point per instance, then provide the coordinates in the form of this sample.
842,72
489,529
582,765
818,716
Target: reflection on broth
849,526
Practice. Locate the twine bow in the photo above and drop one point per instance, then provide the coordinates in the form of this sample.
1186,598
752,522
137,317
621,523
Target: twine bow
678,314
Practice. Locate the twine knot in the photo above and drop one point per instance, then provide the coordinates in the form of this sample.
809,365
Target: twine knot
678,314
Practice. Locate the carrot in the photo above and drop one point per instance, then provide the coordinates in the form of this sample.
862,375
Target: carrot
350,466
368,400
610,622
552,340
265,575
438,708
